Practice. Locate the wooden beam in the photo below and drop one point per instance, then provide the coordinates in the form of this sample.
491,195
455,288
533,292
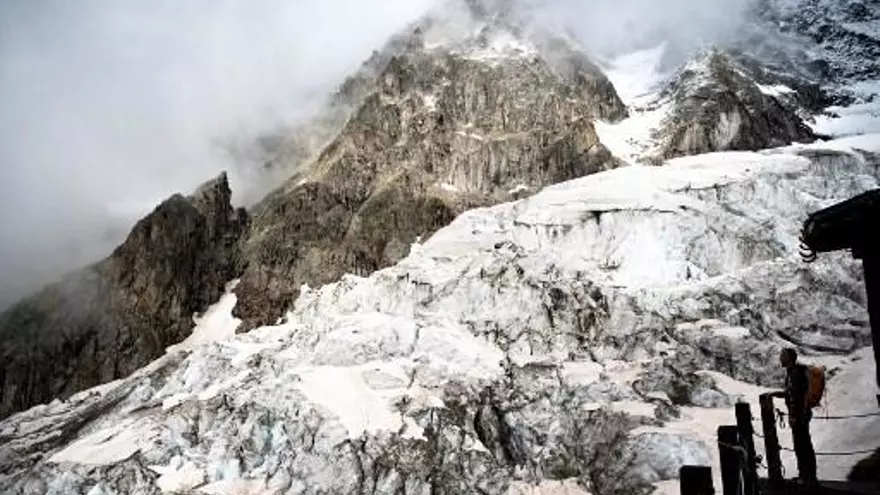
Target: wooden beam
729,455
747,442
771,440
695,480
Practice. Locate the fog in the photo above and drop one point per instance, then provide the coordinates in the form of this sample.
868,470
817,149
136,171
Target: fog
109,106
616,27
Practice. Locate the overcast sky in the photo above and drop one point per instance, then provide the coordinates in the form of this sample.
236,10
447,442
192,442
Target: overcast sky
109,106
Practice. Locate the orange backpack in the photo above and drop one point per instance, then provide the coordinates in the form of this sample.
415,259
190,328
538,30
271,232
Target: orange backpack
816,385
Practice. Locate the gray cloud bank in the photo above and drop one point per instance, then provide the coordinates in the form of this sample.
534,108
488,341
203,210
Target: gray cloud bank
109,106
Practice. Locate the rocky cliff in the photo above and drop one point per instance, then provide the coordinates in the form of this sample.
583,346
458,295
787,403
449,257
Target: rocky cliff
717,106
470,121
843,33
109,319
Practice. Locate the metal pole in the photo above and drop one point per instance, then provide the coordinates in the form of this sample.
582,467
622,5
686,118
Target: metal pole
871,265
771,441
728,453
695,480
747,441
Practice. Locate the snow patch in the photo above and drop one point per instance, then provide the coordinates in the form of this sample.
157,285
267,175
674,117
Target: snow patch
501,45
347,395
236,486
562,487
215,325
775,90
582,373
183,479
634,408
110,445
632,139
861,117
430,102
636,76
519,189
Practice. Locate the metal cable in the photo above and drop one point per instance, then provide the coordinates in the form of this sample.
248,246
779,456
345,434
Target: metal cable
855,452
781,414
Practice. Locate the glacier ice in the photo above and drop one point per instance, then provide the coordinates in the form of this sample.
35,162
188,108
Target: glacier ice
586,339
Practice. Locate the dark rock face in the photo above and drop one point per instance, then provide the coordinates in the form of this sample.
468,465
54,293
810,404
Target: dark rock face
842,29
109,319
445,129
717,107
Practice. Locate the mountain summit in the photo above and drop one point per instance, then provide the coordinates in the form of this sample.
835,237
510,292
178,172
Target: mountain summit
471,108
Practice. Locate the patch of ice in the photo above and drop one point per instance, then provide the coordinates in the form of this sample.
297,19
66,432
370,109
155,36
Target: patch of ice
636,78
501,45
216,324
868,142
775,90
636,75
183,479
235,486
736,388
634,408
518,189
110,445
581,373
861,117
430,102
550,487
345,393
632,138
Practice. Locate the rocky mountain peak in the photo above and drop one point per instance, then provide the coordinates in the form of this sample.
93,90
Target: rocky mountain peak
458,112
107,320
718,106
844,33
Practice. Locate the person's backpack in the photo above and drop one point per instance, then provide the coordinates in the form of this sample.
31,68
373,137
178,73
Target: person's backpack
815,385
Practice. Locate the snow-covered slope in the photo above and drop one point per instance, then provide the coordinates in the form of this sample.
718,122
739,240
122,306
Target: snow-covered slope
596,332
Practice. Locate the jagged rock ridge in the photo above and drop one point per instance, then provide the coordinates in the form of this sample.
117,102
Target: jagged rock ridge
845,33
717,106
109,319
453,122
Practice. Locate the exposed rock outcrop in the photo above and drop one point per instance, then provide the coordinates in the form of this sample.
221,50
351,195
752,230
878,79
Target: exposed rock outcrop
718,107
844,33
449,126
109,319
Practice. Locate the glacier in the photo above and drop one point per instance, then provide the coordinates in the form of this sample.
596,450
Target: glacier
587,339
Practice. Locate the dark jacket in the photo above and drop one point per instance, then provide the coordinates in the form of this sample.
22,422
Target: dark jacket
797,385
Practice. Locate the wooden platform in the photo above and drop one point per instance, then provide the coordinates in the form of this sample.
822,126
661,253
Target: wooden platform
825,488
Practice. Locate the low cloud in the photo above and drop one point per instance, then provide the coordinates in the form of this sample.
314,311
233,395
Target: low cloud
109,106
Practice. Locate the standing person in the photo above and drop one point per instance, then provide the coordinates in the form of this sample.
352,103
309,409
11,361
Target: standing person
797,385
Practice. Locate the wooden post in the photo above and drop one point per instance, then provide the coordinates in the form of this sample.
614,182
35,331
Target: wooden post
695,480
747,441
728,442
771,441
871,265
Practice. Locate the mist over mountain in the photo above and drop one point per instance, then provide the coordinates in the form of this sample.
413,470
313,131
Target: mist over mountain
109,107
